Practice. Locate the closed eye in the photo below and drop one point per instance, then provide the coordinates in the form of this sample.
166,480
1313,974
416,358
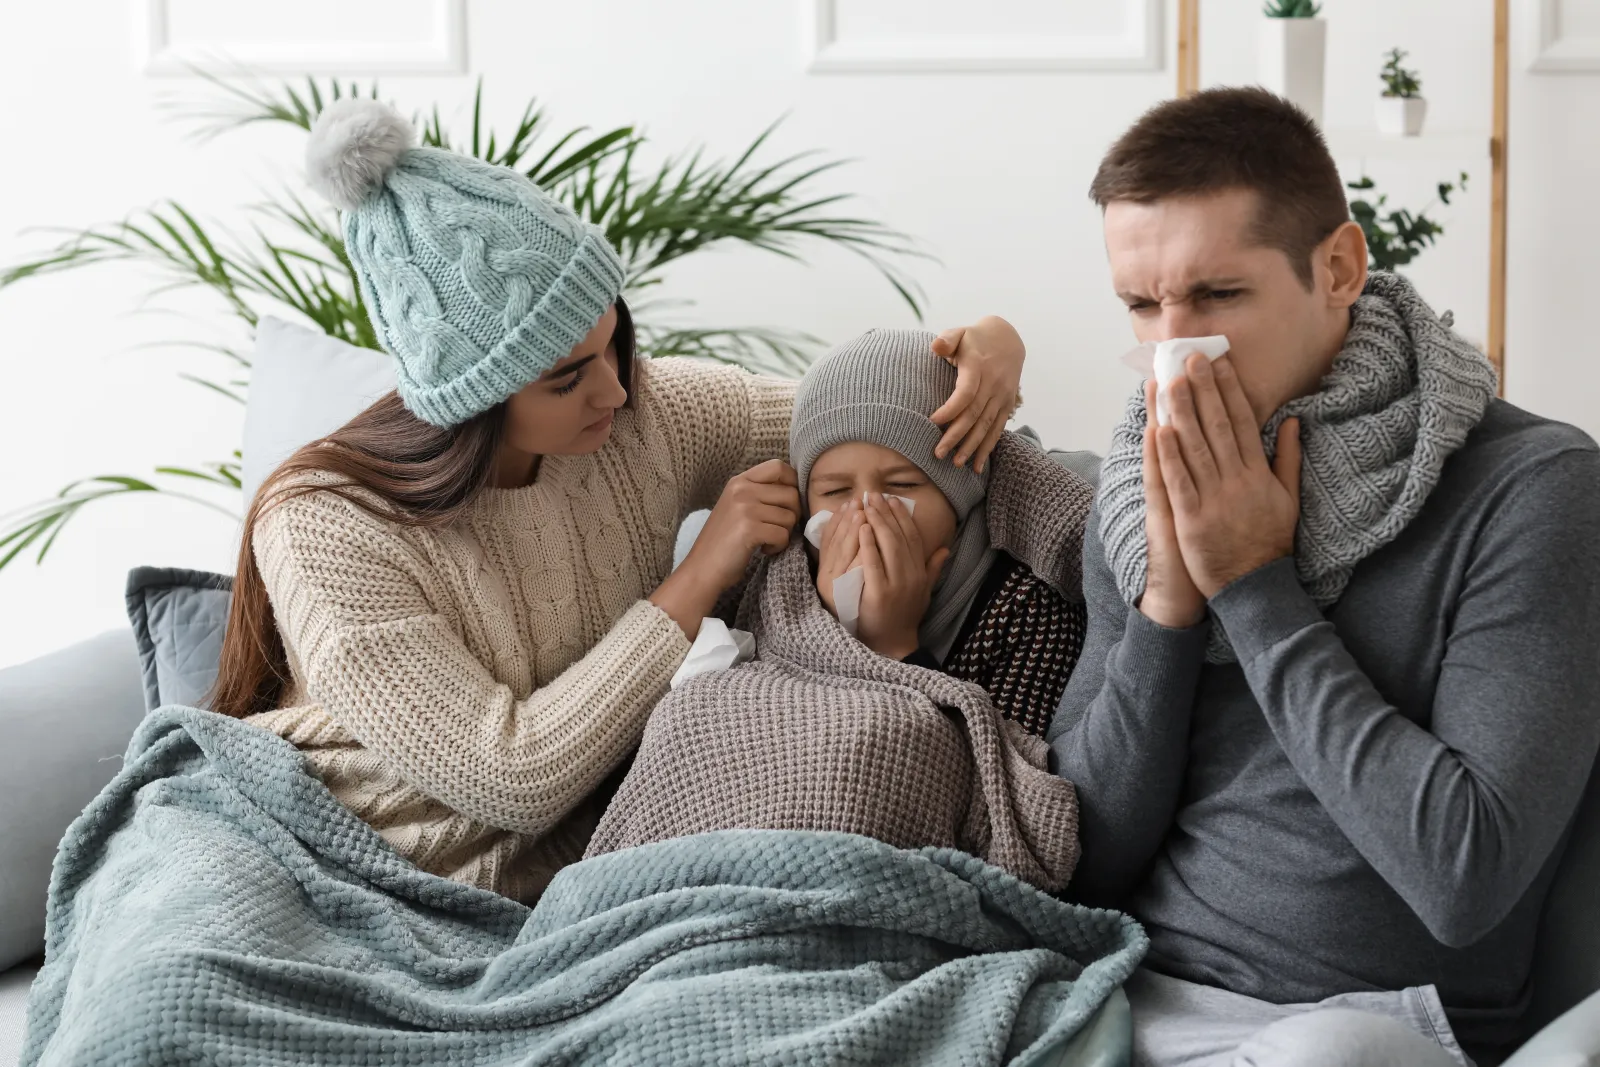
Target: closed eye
905,485
835,492
1139,307
577,379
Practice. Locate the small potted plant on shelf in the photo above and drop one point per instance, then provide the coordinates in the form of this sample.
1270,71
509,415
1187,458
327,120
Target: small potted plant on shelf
1401,108
1396,236
1294,44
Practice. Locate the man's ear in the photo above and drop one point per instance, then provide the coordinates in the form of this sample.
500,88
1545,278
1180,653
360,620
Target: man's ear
1343,254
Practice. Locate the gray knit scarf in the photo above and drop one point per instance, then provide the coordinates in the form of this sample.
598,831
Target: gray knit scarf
970,559
1401,397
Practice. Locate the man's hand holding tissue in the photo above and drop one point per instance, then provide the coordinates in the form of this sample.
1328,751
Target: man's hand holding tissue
757,511
899,576
1170,596
1232,510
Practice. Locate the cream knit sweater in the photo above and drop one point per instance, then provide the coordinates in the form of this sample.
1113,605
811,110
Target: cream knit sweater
465,690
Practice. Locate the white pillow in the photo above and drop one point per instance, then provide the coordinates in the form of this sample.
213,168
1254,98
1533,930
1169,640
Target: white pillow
303,385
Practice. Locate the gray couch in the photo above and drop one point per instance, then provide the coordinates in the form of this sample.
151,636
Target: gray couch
67,717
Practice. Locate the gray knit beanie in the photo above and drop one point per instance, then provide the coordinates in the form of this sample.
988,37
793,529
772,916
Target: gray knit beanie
882,387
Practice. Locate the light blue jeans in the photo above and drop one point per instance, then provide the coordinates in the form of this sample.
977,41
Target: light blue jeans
1181,1024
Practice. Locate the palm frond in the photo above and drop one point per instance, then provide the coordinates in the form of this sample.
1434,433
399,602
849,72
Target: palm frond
687,204
783,353
42,523
292,255
234,105
219,388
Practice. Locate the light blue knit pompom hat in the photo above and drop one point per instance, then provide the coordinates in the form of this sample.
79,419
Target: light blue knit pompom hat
476,280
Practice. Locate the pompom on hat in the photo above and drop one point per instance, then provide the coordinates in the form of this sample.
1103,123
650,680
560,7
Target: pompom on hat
477,281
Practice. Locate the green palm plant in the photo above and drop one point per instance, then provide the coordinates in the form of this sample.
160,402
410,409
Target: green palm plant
290,256
1291,9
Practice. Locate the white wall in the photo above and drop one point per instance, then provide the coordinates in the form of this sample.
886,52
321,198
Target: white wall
988,169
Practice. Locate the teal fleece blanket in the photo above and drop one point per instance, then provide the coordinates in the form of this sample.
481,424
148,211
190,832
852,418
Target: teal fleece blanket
216,904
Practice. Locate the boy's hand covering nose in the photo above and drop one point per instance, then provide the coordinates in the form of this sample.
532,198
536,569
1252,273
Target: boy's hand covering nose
899,577
841,540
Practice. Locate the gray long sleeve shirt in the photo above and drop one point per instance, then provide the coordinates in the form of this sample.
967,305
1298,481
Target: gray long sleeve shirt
1374,796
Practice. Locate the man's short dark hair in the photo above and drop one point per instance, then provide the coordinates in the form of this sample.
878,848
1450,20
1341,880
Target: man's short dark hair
1233,139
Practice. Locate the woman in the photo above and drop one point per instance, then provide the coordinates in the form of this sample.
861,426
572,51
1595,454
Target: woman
458,606
896,730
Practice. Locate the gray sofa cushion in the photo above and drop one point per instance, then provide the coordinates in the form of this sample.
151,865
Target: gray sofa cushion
1566,960
178,620
66,719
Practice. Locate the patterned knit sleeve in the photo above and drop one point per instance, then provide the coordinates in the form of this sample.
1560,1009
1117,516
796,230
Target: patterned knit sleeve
378,644
718,421
1037,511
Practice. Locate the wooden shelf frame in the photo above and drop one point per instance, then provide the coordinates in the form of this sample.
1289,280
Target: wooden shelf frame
1189,82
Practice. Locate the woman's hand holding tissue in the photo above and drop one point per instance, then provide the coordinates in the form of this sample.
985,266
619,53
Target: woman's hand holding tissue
758,510
1232,510
988,359
898,577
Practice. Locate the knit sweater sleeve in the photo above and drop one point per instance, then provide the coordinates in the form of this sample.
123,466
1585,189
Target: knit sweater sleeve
1459,816
1037,511
718,421
367,621
1121,735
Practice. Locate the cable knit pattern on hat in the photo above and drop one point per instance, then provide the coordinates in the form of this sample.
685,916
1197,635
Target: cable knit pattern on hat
465,690
477,280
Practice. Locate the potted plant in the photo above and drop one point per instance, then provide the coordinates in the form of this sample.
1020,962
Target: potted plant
1401,108
1396,236
289,257
1294,42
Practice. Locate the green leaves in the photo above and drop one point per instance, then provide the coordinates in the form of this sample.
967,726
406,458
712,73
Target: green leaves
317,283
1397,80
655,216
1396,236
765,351
237,105
548,169
1291,9
42,523
289,256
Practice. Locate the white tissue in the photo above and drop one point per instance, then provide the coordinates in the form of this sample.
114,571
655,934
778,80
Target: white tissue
1164,361
847,598
847,587
715,649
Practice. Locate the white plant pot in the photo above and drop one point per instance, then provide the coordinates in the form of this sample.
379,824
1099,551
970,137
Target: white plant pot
1291,58
1401,116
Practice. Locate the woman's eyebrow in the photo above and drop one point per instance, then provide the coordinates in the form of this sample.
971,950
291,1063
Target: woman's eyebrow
571,368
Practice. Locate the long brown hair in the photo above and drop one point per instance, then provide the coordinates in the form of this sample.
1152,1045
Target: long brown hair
390,464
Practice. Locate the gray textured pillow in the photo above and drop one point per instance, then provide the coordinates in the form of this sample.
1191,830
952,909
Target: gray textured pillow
178,619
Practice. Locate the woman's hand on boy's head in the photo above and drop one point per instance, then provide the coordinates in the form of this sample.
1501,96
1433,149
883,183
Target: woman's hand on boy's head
899,578
988,357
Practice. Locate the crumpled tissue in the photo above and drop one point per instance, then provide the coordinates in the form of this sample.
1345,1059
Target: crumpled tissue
848,586
715,649
1164,362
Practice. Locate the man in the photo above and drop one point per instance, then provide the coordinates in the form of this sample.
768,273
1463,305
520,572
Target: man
1338,700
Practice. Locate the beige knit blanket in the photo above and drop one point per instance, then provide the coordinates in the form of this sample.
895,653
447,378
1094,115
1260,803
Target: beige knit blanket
821,733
